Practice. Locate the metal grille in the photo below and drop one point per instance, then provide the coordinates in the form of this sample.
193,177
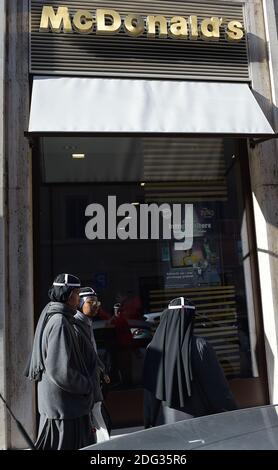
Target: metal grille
122,56
178,170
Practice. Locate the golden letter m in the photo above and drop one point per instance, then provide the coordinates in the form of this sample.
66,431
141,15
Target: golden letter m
55,21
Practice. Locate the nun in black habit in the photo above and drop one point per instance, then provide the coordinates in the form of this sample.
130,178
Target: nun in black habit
60,364
182,376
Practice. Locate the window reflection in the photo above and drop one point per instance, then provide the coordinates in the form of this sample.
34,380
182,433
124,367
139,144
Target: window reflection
142,276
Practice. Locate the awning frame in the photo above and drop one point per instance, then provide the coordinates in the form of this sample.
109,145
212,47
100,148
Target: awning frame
262,139
254,141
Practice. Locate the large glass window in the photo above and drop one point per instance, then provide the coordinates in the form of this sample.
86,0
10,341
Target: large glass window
143,273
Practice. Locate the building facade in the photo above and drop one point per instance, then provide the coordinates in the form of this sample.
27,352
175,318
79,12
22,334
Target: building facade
115,100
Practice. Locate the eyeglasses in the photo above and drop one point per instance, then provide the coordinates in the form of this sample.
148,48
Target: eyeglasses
95,303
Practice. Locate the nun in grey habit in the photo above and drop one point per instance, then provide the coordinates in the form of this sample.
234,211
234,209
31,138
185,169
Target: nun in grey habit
182,376
62,366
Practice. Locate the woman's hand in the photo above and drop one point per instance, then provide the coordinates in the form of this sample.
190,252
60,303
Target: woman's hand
106,378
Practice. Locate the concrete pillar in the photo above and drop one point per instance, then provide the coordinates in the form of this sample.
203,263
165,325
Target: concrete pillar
263,165
2,223
19,276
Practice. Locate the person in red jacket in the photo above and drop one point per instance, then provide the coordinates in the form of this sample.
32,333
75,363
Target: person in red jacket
130,306
123,333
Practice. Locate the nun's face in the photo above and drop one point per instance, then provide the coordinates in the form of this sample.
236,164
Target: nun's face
73,300
91,306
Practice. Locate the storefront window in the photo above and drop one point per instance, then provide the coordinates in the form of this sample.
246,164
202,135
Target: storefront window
143,274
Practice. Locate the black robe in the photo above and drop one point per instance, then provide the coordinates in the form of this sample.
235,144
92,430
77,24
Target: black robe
181,372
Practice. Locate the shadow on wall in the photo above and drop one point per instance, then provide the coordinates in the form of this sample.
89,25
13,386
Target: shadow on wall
270,362
264,168
268,108
263,165
257,48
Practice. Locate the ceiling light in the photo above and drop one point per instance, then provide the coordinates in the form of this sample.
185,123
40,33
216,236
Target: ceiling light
142,184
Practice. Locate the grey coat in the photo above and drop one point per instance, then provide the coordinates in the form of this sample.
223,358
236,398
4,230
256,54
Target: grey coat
65,388
85,325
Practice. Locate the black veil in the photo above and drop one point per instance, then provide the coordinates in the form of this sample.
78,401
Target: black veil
167,366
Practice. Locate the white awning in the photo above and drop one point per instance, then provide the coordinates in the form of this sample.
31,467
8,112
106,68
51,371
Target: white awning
90,105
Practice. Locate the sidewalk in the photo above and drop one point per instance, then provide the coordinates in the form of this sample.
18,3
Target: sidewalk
123,431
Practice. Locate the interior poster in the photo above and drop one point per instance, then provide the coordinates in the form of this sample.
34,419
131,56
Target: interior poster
200,265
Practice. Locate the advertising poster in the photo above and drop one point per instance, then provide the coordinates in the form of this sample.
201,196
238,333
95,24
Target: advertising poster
201,264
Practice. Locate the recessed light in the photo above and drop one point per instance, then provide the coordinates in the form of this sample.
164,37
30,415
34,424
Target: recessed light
78,155
142,184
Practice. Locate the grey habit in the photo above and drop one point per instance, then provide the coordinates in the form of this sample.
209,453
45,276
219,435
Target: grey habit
65,387
85,324
100,415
